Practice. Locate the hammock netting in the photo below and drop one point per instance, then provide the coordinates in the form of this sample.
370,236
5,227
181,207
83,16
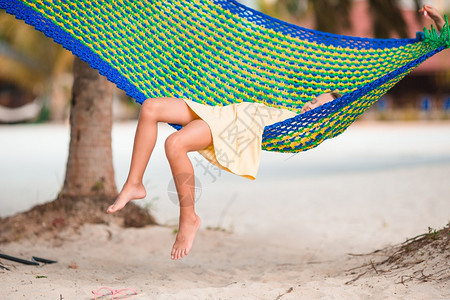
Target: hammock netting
219,52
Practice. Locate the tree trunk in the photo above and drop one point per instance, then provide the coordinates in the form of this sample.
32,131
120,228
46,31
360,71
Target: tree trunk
89,166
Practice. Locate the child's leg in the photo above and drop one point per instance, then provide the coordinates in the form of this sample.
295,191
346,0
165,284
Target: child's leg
170,110
194,136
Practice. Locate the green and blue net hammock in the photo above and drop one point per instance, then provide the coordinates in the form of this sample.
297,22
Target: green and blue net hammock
219,52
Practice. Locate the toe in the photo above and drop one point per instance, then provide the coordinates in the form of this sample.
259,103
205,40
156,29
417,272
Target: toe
175,254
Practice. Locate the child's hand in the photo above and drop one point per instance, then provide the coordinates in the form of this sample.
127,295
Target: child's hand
433,13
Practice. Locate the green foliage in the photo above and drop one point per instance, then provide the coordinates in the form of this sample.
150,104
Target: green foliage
217,228
433,234
43,116
99,185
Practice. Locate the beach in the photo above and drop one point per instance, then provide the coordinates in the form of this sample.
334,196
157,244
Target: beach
287,235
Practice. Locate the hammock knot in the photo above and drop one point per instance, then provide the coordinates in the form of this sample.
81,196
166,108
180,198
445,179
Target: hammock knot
446,33
436,40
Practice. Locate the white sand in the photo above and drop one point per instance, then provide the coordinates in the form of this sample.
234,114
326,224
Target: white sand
293,227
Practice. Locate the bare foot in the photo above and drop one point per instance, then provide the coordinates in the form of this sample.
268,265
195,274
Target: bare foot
129,192
185,237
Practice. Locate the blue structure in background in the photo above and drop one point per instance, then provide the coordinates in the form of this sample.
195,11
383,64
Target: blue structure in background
383,104
425,104
446,105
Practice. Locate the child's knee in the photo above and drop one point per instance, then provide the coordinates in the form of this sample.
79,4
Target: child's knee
150,107
174,146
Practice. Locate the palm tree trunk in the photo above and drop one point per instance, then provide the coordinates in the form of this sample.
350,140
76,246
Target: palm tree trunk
89,166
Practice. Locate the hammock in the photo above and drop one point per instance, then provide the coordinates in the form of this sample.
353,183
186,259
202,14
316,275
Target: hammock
218,52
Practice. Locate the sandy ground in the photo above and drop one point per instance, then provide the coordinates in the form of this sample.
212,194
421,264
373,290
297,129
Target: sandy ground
221,266
286,235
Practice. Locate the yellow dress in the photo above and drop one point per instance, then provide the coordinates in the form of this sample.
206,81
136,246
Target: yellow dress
237,134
